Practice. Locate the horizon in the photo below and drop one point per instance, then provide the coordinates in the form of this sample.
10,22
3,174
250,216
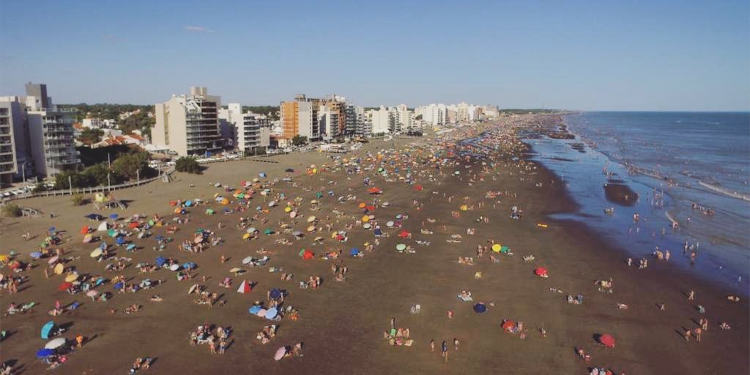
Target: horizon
654,57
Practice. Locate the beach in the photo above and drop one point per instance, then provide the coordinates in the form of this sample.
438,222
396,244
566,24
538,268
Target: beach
342,323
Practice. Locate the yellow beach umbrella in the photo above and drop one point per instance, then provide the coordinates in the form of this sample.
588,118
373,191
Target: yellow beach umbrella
365,218
59,268
464,207
246,236
496,247
287,209
70,278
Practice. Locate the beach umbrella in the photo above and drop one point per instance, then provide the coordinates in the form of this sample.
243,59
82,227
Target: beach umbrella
112,232
51,229
72,277
120,240
64,286
97,252
113,216
251,230
102,227
92,293
480,308
44,353
85,229
271,313
87,238
464,207
508,325
541,272
4,258
36,255
311,228
47,329
14,264
130,247
367,226
289,170
254,309
275,293
310,219
247,260
236,270
287,209
404,234
59,268
119,285
418,187
307,255
261,313
298,233
55,343
400,247
246,236
189,265
389,224
378,231
160,261
93,216
280,353
354,252
607,340
244,287
365,218
174,267
496,247
188,203
293,214
268,231
133,225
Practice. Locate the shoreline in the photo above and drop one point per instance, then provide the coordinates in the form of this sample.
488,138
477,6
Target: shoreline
342,322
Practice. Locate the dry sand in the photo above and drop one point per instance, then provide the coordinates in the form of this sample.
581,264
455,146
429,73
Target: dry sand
342,323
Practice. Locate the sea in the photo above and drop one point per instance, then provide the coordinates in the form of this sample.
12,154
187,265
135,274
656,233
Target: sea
688,168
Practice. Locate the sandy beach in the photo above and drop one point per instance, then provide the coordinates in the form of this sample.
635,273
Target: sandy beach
342,323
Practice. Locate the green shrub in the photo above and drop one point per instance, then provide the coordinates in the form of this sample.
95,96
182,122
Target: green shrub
77,199
12,210
189,165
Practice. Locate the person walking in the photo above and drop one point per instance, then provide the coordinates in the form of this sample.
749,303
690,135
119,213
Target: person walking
444,348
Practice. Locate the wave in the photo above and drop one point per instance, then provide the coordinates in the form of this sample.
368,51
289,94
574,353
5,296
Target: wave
721,190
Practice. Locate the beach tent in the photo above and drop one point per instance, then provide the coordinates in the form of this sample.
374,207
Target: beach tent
56,343
244,287
47,329
541,272
44,353
480,308
607,340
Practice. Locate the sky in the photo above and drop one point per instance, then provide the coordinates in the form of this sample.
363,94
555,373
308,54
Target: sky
578,55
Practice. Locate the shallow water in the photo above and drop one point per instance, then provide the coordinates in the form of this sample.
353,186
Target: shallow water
663,157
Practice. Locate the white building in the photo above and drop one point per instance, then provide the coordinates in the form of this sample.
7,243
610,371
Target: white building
42,138
97,123
188,124
250,132
381,120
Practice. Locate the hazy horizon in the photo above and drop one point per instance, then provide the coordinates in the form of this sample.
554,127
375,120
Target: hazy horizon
581,56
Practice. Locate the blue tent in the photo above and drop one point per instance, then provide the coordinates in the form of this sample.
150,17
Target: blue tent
275,293
354,252
160,261
480,308
47,329
44,353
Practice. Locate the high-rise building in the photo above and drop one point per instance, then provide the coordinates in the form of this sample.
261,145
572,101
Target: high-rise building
250,132
381,120
189,124
300,117
42,135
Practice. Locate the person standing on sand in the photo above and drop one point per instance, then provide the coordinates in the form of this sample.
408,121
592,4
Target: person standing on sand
393,322
444,348
686,335
432,345
691,295
455,344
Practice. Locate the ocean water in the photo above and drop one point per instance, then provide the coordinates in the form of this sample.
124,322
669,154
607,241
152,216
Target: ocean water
693,168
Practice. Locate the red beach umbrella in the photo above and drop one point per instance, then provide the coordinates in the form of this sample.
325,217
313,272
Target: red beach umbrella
307,255
64,286
541,271
607,340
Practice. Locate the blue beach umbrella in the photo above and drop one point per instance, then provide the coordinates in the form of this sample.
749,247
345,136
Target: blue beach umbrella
275,293
354,251
480,308
44,353
120,240
114,216
119,285
36,255
47,329
130,247
254,309
160,261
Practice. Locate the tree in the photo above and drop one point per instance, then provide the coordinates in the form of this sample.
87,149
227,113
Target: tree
299,140
78,199
65,179
188,164
130,165
99,172
91,136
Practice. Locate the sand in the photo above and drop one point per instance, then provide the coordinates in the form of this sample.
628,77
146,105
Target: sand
342,323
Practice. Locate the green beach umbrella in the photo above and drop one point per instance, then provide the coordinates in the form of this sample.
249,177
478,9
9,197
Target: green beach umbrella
400,247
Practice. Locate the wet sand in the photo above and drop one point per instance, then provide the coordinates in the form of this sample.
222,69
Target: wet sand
342,323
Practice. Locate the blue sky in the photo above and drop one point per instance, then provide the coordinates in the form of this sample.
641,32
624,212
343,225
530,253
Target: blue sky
618,55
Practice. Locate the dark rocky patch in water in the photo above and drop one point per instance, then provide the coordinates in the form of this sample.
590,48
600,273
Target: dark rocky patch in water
620,194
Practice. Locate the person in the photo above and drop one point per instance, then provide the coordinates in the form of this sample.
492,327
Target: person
444,348
455,344
691,295
686,335
432,345
79,341
697,333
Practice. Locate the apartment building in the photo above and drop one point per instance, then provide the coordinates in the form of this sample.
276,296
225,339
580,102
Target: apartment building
189,124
